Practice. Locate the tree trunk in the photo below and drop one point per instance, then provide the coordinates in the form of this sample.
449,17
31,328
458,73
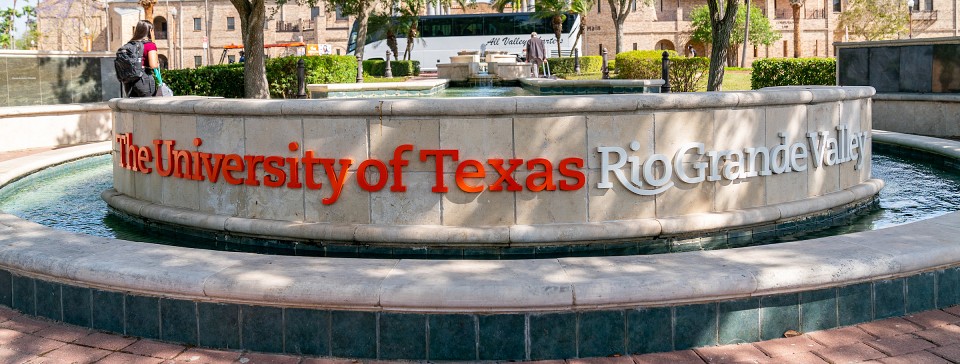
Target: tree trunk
362,19
721,28
557,30
619,29
796,31
252,16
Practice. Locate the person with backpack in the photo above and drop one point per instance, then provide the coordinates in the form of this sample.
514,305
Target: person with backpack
136,61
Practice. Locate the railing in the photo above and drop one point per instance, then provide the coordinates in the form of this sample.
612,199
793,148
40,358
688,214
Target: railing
283,26
811,14
925,15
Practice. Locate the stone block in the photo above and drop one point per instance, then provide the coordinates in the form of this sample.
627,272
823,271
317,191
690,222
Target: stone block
223,135
418,206
916,69
852,67
619,131
685,198
739,194
272,137
389,133
884,68
617,203
476,138
352,206
553,138
338,139
672,129
486,208
946,68
550,207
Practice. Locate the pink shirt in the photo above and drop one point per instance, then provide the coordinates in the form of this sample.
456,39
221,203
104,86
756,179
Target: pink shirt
147,47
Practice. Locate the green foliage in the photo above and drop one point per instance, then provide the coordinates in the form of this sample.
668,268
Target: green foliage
220,80
793,71
227,80
644,64
282,72
565,66
760,30
686,73
376,67
874,19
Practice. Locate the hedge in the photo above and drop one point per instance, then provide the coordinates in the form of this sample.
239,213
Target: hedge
686,73
227,80
640,64
222,80
377,67
770,72
564,66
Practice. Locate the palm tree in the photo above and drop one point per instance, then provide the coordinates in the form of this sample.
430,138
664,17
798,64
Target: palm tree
581,8
556,11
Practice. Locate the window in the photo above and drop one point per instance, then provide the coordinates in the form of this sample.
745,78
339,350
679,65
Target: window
314,12
197,24
836,6
634,46
916,6
197,61
231,23
231,59
929,4
340,15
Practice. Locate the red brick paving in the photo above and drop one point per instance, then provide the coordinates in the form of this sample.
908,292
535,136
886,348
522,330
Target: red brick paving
928,337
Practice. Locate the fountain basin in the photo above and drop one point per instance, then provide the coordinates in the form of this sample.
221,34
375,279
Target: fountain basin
529,171
490,310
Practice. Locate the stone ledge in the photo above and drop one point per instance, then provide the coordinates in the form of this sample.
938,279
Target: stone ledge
494,106
928,97
376,86
20,111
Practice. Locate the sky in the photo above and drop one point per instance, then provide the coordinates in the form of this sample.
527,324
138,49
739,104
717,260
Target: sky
20,25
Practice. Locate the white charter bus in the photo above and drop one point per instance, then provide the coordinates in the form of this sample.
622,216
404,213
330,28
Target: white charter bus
442,36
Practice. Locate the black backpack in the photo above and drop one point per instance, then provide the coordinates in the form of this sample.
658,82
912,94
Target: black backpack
129,62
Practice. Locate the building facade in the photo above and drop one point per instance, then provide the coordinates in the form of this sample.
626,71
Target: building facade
192,33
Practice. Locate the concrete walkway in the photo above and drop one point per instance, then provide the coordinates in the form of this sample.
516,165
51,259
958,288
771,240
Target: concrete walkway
929,337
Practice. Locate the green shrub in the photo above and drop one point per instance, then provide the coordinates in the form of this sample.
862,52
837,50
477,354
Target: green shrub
687,72
282,72
769,72
227,80
565,66
376,67
640,64
222,80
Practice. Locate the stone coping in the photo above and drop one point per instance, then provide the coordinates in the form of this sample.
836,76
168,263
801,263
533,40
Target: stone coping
935,97
567,104
377,86
37,110
470,286
546,82
898,42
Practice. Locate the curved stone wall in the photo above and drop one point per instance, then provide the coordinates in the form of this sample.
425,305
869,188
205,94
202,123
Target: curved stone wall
508,171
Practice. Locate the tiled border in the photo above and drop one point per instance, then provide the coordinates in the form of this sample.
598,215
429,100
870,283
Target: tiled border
471,336
715,240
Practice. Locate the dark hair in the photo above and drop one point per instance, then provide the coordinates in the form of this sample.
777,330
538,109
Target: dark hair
142,31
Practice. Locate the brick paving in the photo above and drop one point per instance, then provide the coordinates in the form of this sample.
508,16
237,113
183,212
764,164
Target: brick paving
931,337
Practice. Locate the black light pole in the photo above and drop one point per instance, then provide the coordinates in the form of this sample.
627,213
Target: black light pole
301,80
359,69
665,73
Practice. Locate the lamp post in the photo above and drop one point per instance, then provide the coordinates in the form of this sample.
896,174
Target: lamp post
910,4
796,4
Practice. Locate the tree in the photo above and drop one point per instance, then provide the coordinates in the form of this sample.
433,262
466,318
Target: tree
619,10
760,30
148,8
556,11
360,9
581,8
721,25
873,19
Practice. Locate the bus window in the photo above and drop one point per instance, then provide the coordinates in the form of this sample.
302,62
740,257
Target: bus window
498,25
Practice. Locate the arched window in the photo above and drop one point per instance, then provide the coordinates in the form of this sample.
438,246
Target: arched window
160,27
664,44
